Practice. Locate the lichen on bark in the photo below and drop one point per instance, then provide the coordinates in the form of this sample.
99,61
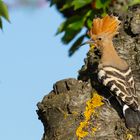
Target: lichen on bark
90,111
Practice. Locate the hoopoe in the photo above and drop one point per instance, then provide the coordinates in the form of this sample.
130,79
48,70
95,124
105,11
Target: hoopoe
114,72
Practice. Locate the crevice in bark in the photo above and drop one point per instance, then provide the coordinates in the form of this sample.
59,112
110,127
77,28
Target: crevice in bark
68,109
67,86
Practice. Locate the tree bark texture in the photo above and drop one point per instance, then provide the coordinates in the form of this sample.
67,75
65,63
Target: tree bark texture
64,111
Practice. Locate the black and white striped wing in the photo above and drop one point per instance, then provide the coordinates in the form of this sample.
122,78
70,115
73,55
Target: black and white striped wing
121,83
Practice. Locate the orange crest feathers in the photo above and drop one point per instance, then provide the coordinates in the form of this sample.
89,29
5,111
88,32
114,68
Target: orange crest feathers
107,25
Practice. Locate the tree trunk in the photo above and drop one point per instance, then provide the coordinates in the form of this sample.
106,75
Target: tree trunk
74,111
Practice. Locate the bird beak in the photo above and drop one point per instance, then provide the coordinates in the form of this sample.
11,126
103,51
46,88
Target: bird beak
90,42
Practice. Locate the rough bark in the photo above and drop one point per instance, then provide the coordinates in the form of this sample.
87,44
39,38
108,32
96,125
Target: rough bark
62,110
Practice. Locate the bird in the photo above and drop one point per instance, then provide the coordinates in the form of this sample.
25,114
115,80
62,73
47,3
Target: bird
113,71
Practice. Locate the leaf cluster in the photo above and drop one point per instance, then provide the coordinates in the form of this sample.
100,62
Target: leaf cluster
3,12
78,14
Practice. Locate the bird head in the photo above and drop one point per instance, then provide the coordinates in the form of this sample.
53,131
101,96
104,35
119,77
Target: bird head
103,30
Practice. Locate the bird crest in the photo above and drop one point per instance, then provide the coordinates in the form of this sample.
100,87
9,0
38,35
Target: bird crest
108,25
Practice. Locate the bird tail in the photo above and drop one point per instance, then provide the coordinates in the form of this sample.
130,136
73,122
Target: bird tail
132,118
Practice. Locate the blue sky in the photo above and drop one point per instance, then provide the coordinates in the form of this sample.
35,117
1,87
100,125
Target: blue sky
32,59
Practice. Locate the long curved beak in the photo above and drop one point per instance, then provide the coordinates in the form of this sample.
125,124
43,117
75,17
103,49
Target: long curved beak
90,42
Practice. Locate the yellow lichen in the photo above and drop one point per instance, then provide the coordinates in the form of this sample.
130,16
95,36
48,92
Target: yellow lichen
74,113
129,136
80,132
94,129
91,105
65,115
92,47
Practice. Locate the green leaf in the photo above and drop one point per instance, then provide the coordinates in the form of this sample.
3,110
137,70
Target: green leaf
133,2
74,23
61,28
98,4
69,35
4,11
76,45
80,3
66,6
0,23
73,27
89,23
78,24
88,13
102,3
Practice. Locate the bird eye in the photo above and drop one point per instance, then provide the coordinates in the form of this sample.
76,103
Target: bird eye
99,38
